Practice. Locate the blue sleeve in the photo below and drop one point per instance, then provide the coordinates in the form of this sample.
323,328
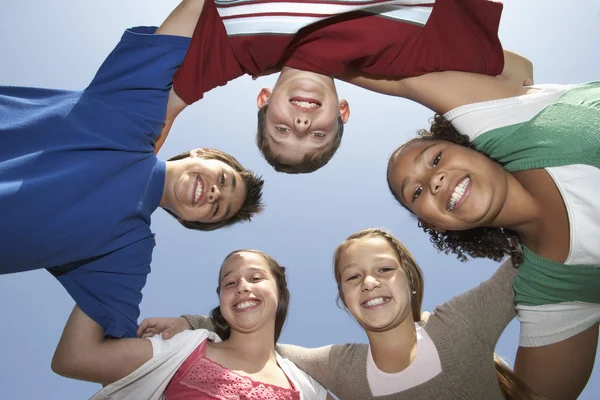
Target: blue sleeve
109,288
137,75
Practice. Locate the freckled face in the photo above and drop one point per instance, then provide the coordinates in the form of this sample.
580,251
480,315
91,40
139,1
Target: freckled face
449,186
248,293
375,287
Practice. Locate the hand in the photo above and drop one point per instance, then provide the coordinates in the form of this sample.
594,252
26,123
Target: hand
425,316
169,327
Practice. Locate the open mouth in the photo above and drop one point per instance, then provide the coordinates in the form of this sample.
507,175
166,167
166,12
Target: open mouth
198,191
305,104
377,301
459,194
246,305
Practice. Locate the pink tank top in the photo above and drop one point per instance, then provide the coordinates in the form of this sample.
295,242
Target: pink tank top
200,378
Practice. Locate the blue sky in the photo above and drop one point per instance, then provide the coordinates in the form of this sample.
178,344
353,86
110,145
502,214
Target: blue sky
60,44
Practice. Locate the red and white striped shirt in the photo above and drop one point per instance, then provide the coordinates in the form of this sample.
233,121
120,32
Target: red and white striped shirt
388,39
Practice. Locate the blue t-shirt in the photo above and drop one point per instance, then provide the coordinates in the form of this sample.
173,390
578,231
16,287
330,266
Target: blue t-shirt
79,178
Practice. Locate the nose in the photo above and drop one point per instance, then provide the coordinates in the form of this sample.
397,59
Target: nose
437,181
214,194
370,283
242,287
302,124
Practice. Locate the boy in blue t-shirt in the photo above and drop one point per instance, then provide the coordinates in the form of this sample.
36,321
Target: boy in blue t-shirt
79,178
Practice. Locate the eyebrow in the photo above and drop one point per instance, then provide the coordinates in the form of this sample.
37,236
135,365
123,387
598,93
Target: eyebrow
256,269
416,161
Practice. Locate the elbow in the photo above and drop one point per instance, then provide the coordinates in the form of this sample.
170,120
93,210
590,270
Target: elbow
67,364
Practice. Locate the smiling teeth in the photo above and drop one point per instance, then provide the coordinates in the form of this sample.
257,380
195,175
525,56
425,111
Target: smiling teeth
198,192
375,302
305,104
458,193
245,304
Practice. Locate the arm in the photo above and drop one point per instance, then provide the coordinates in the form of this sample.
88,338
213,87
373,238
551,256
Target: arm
517,69
181,22
318,362
83,353
484,310
444,91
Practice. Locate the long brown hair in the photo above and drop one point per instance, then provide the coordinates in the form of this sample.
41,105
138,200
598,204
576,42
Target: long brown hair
283,296
511,386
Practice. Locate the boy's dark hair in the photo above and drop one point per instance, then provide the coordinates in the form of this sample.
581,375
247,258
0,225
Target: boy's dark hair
310,162
493,243
252,203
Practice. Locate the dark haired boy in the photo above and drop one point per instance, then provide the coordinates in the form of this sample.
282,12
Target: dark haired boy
79,179
300,121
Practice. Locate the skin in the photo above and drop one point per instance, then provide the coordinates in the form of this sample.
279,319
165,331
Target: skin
293,131
83,353
223,190
370,269
529,203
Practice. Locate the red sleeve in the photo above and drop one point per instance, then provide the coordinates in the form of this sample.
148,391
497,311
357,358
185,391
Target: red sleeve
210,61
459,35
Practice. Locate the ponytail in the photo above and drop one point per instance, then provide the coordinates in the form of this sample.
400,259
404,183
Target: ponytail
512,387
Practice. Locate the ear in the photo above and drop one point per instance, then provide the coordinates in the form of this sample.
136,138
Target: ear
197,153
428,225
263,97
344,110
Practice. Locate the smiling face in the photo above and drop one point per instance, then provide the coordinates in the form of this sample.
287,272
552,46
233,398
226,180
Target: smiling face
202,190
248,295
303,115
448,186
374,286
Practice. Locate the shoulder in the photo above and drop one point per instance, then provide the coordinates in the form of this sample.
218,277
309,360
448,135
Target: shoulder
176,344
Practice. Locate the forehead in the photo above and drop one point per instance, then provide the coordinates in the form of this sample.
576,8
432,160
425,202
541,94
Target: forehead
244,261
366,250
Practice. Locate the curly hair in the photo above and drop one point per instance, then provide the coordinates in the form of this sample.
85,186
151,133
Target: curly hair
252,204
493,243
309,163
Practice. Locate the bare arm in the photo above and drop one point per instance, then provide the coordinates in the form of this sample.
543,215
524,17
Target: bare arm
83,353
561,370
444,91
181,22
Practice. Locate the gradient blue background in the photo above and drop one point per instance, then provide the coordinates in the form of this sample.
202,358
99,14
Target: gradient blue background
60,44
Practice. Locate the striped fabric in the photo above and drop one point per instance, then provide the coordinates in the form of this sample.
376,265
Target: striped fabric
245,17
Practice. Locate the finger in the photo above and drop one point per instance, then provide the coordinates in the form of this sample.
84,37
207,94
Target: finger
143,326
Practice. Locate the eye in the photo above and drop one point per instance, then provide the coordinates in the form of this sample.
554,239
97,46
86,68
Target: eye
257,278
436,160
281,129
230,283
385,269
351,278
417,192
222,180
317,134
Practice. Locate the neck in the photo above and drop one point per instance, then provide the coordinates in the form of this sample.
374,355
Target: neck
257,346
165,199
395,349
520,211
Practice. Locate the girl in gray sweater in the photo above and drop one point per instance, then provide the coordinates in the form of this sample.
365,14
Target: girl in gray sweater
449,356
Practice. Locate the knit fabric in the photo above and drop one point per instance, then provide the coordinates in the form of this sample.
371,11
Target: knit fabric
464,330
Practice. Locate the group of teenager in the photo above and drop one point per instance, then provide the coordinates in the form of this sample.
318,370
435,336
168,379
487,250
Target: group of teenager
507,170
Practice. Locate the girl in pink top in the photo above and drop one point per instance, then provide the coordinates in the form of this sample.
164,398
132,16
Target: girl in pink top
253,303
